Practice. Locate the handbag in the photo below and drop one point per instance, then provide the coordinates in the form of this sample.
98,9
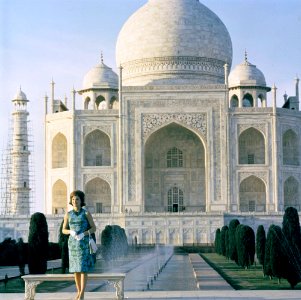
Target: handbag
92,245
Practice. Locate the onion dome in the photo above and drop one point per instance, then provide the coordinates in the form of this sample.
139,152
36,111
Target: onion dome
20,96
246,74
173,42
100,77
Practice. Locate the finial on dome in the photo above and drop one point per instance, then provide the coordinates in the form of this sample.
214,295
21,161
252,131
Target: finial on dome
246,56
101,56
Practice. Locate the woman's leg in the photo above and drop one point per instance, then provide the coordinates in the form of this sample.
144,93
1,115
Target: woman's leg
77,278
83,284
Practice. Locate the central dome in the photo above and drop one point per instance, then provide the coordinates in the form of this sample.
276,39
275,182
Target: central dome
173,42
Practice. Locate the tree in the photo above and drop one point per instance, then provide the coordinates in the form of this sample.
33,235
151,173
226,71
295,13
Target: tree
232,241
227,243
217,241
63,243
37,244
21,249
291,232
291,229
245,243
278,256
223,244
267,256
260,244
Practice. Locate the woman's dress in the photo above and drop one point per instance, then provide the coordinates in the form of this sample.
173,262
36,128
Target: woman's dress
80,259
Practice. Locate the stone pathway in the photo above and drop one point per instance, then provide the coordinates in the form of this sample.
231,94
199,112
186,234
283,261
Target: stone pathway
206,277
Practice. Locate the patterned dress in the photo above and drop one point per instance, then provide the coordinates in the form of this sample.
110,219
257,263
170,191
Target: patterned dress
80,259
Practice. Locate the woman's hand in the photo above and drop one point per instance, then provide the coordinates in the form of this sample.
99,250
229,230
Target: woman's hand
72,233
79,237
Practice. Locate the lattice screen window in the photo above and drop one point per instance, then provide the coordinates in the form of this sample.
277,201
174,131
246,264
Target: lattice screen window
174,158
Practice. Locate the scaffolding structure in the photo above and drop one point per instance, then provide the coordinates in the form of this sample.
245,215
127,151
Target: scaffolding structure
11,174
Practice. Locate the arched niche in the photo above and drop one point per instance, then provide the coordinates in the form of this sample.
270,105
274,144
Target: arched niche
234,101
252,195
174,157
247,100
97,149
59,151
251,147
98,196
59,197
291,193
290,148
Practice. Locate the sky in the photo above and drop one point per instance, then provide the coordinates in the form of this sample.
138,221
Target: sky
63,40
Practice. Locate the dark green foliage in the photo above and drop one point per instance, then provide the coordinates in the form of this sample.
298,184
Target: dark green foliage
113,242
267,268
232,241
8,253
63,243
260,244
22,257
37,244
223,239
278,256
54,251
227,243
245,243
291,227
291,232
217,241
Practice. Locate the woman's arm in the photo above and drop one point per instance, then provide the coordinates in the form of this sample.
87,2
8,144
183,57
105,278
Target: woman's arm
91,223
65,225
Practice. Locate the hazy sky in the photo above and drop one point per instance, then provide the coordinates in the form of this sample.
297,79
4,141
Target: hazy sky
63,39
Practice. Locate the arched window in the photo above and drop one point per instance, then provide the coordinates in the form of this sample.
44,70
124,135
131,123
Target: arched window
100,103
59,197
87,102
113,103
290,148
59,151
251,147
234,101
175,199
247,100
261,101
174,158
97,149
252,195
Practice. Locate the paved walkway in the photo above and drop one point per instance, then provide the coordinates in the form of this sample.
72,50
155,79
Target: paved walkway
175,295
206,277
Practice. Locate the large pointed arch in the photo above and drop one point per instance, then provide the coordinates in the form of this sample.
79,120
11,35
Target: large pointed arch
98,196
59,197
59,151
251,145
291,193
252,195
97,149
290,148
174,157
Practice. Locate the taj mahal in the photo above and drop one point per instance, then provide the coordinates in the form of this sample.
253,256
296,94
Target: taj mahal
177,142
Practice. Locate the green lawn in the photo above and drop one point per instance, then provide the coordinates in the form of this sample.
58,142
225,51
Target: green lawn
241,279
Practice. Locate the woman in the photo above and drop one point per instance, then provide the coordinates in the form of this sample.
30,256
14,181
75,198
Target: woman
81,224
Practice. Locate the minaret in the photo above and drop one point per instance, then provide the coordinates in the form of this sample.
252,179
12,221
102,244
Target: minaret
20,189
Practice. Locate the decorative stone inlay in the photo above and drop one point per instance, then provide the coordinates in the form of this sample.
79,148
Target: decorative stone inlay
251,109
108,177
151,122
174,64
105,128
262,175
201,87
259,126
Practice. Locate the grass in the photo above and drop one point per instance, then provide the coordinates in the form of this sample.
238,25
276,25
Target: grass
241,279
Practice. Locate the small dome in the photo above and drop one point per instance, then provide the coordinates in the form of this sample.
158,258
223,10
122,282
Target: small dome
20,96
101,76
246,74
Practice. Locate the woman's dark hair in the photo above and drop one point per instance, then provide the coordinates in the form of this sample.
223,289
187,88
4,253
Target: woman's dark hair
80,194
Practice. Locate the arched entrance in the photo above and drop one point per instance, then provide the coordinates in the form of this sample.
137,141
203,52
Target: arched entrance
174,171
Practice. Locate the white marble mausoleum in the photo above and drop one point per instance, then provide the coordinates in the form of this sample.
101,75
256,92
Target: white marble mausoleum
178,142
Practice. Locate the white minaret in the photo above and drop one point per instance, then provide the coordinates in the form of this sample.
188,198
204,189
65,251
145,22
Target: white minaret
20,189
